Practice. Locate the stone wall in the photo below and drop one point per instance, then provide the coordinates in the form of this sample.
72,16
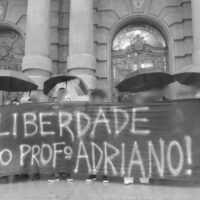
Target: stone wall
109,16
174,15
14,14
60,35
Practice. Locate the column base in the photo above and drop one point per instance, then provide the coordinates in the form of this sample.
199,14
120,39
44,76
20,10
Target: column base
87,76
38,68
38,77
83,66
37,62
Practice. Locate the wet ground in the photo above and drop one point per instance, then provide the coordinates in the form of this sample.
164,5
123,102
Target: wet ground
80,190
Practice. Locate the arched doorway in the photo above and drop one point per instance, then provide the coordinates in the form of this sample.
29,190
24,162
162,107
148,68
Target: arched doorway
12,45
136,46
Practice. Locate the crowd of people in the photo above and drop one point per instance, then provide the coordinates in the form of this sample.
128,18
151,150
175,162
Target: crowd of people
96,96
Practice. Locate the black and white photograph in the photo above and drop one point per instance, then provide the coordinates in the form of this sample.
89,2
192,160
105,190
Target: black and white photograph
99,99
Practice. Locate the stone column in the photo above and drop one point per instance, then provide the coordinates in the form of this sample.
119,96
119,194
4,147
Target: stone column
192,91
81,60
37,63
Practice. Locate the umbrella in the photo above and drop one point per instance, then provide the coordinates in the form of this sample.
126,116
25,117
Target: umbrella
74,81
53,81
13,81
144,79
189,75
79,87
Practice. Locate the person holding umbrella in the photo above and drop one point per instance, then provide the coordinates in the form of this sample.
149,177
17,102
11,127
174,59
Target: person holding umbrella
14,102
62,97
58,84
66,80
145,79
97,96
13,81
61,93
189,82
148,86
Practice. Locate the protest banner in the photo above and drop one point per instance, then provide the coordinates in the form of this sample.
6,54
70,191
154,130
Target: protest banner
160,140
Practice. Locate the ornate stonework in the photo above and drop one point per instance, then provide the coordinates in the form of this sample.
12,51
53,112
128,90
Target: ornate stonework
3,8
138,4
137,48
11,53
141,5
11,49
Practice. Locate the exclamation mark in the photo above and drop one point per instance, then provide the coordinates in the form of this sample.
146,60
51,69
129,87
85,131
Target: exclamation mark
123,160
188,142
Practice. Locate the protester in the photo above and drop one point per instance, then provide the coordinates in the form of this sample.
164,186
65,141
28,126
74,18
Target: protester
97,96
38,97
25,99
140,99
149,96
14,101
62,97
35,176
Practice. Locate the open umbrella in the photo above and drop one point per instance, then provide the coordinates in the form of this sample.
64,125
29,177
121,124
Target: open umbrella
53,81
189,75
13,81
75,82
79,86
144,79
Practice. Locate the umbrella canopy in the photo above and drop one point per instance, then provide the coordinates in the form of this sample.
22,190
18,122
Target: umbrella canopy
74,82
189,75
78,86
13,81
53,81
144,79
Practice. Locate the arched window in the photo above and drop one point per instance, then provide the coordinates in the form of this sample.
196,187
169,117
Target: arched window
138,46
11,53
11,49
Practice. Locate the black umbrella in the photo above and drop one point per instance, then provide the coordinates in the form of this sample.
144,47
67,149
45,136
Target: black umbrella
53,81
144,79
189,75
13,81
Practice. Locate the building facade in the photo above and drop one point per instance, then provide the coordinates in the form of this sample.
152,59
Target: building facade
99,40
